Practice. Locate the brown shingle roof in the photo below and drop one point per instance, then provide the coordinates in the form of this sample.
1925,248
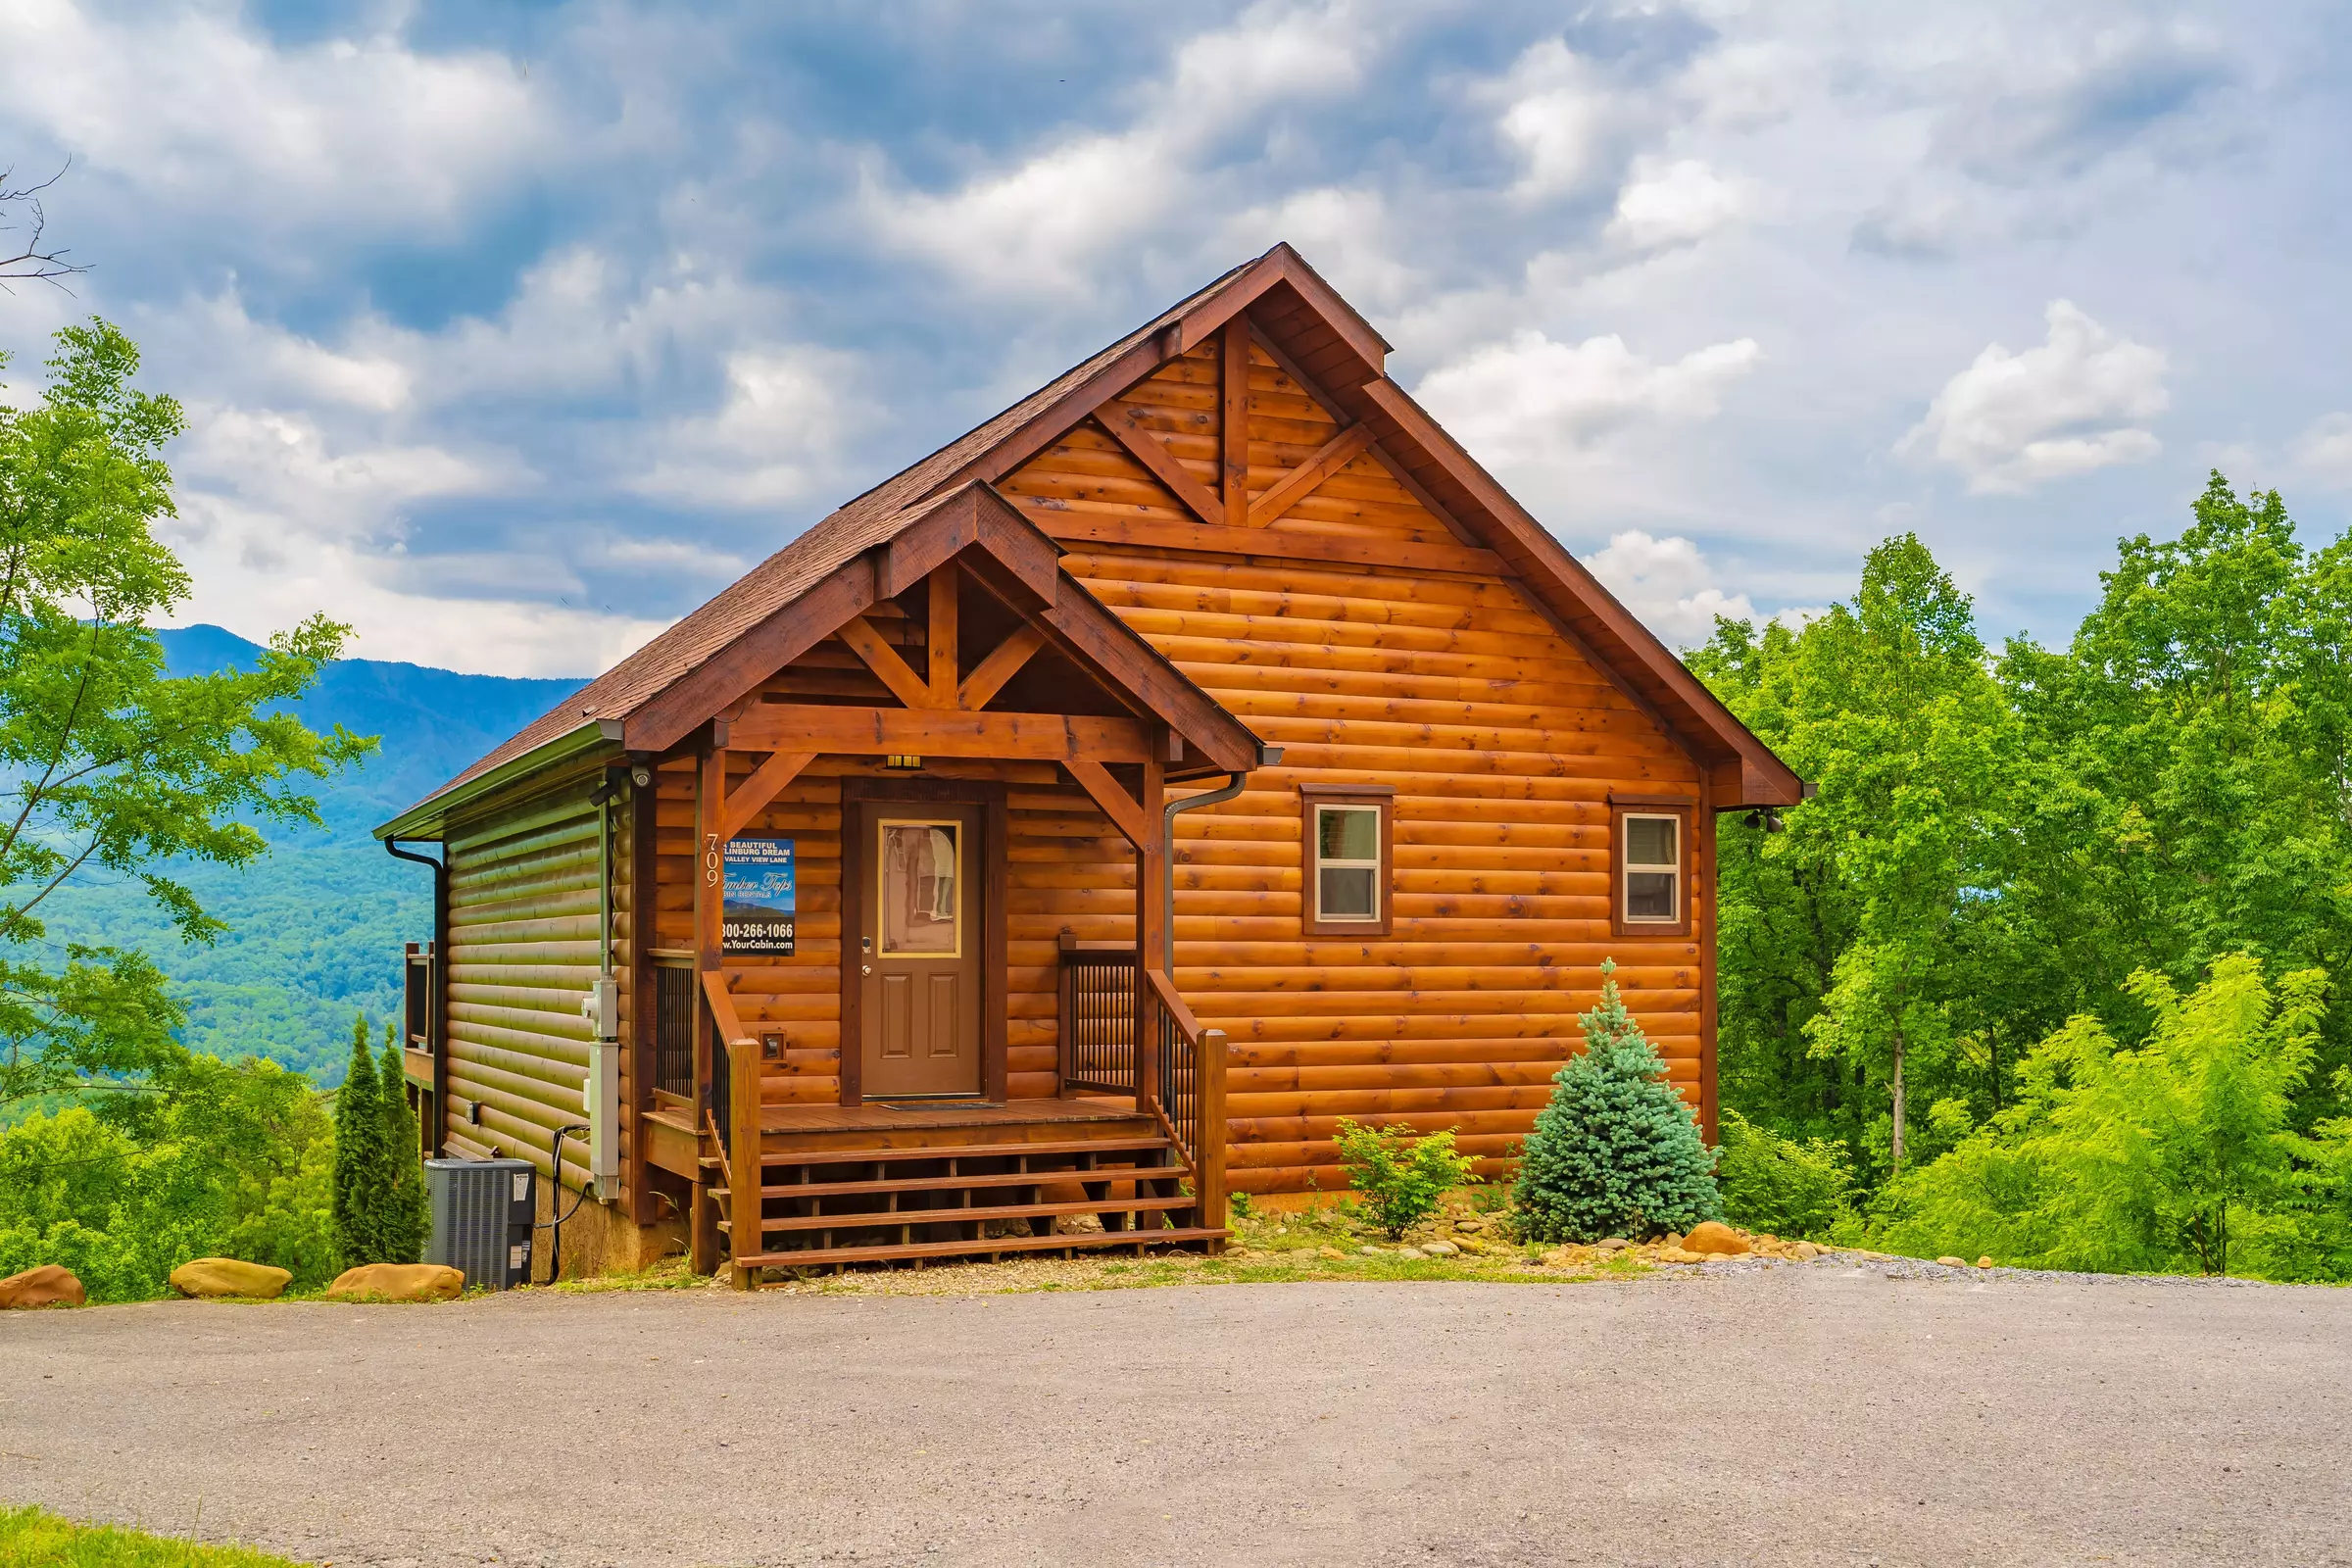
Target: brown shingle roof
872,518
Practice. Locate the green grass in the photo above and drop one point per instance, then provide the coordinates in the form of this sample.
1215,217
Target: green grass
31,1537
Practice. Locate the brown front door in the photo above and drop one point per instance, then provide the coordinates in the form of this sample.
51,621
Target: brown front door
919,951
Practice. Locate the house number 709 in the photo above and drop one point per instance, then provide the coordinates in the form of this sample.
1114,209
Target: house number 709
714,862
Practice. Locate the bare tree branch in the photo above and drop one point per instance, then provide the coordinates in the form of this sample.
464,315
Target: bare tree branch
30,258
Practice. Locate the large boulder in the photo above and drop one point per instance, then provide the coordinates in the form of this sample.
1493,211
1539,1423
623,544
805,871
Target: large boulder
228,1277
1715,1238
399,1281
46,1286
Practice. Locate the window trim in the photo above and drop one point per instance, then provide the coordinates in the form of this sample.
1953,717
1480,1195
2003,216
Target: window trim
1683,810
1382,799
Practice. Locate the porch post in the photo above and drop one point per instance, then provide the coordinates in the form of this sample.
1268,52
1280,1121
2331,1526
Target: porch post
1151,931
709,793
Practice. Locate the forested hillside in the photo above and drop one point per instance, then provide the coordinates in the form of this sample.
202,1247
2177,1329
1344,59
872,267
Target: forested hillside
315,929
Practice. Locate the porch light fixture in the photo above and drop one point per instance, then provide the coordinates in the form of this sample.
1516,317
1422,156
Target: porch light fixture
903,763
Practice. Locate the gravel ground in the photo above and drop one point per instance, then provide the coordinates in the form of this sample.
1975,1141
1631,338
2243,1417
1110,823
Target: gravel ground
1840,1412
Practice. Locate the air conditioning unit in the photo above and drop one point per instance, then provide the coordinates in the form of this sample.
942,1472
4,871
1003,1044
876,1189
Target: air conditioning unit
482,1213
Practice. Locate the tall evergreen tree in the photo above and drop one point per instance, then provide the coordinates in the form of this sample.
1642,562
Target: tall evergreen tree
1617,1152
360,1162
406,1214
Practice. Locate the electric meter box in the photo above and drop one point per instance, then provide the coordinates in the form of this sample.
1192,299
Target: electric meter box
482,1213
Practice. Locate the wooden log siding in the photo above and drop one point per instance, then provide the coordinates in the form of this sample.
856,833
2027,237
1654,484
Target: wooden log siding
524,912
1502,742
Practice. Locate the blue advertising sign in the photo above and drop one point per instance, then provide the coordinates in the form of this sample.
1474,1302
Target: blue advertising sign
759,907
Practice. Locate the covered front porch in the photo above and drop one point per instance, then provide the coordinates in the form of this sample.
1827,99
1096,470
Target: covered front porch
1001,707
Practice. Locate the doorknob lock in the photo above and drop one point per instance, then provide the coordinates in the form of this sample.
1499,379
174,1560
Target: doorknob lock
865,968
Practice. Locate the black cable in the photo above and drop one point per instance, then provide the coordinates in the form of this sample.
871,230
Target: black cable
555,1241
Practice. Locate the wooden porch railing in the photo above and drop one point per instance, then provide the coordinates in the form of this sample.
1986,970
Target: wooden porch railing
1121,1040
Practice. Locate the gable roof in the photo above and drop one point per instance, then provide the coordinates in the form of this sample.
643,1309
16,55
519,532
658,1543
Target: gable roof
1343,357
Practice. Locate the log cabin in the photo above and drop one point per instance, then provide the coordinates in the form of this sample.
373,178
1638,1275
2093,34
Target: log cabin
1074,829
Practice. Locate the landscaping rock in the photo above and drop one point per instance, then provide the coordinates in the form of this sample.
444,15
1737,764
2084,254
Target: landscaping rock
217,1276
46,1286
1370,1251
1612,1244
1804,1251
1410,1252
1671,1239
1713,1236
1469,1226
1078,1224
1440,1249
1470,1243
1682,1254
1332,1252
1983,1262
399,1281
1951,1262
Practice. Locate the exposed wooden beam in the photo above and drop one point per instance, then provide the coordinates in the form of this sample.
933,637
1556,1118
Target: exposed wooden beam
983,683
940,633
1116,803
766,782
900,731
1276,544
1301,483
884,661
1149,450
1413,487
788,632
1233,430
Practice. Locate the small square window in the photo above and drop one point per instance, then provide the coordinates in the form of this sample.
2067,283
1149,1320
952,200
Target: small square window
1650,863
1345,885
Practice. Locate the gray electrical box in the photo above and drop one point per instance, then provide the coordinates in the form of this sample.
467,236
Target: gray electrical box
482,1213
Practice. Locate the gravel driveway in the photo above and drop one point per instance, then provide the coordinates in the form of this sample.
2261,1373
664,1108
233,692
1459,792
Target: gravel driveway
1809,1413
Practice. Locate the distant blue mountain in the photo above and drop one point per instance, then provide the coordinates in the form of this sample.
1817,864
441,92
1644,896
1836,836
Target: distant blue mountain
434,722
316,928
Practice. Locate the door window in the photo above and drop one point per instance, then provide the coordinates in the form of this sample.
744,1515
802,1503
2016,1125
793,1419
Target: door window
922,891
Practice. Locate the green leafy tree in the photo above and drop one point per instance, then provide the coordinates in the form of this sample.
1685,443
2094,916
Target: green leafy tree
1783,1186
407,1213
221,1159
1879,903
2142,1159
1617,1151
1399,1178
363,1169
110,765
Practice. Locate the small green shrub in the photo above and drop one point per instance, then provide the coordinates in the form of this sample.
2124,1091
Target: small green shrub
1399,1178
1617,1152
1240,1203
378,1178
1780,1185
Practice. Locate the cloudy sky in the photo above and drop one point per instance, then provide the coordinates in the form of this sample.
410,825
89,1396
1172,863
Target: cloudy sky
507,332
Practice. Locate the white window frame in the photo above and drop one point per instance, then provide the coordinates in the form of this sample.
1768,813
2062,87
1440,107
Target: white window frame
1678,868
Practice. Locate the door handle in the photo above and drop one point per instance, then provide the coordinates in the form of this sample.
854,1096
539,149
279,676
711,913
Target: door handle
865,968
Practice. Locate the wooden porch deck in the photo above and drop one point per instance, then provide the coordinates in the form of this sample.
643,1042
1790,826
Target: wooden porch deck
912,1181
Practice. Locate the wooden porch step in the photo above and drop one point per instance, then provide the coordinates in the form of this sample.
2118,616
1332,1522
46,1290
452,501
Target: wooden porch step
883,1219
1133,1143
979,1181
1092,1241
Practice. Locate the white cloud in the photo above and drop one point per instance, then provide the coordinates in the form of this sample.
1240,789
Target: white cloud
776,439
1039,226
1529,398
1670,584
286,461
2081,401
1560,116
200,114
1672,204
2323,451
